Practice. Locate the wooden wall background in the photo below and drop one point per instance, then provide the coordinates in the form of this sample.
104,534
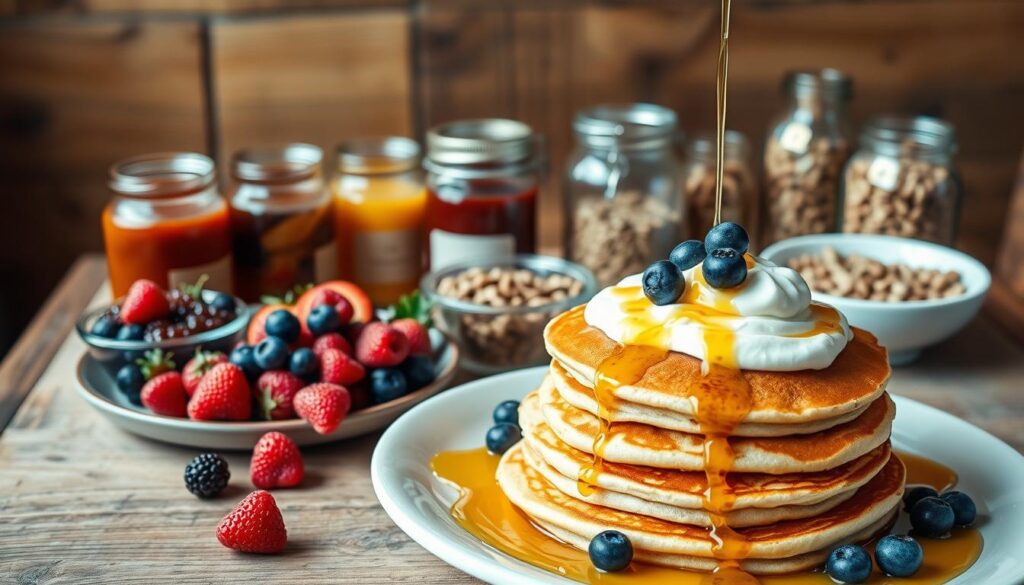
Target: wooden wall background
86,82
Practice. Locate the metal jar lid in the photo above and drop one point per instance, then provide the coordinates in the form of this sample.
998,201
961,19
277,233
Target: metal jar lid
626,125
484,141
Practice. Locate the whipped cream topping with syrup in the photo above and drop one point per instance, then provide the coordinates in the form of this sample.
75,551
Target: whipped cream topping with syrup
774,324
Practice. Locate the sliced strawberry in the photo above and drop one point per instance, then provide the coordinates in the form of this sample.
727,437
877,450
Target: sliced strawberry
330,293
145,302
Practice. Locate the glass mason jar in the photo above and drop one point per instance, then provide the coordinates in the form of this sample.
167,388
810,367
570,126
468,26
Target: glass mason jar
281,221
804,155
902,181
738,188
166,222
482,182
379,203
623,193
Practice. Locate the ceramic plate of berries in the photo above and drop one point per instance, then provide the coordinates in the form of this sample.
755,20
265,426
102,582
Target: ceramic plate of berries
990,472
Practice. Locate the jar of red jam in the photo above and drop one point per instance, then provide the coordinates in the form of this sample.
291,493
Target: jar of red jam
166,222
482,179
281,221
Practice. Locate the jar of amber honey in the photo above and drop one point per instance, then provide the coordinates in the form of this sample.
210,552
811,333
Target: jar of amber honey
281,225
166,222
379,201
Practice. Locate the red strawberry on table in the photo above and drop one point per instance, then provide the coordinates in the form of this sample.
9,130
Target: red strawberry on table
381,346
416,333
323,405
145,302
331,341
165,394
197,367
274,393
336,367
255,525
276,462
223,394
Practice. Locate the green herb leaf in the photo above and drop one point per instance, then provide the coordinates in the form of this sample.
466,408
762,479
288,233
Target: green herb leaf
412,306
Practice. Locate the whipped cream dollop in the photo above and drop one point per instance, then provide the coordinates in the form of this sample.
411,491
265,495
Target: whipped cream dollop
770,321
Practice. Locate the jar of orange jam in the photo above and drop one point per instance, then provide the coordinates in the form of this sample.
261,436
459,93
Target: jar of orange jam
166,222
280,220
379,202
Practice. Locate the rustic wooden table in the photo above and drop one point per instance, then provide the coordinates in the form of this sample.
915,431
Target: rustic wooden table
84,502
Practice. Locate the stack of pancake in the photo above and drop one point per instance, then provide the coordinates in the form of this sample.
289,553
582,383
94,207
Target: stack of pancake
811,464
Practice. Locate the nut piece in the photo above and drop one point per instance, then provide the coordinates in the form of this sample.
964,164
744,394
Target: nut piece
858,277
801,187
504,340
622,235
699,185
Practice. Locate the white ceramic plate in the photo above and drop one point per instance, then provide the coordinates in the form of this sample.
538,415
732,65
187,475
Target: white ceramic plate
98,388
990,471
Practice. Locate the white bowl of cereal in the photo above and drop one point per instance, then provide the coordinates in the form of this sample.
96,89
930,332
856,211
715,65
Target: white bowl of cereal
911,294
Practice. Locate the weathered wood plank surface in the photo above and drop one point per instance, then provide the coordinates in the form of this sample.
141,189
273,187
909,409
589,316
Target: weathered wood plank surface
82,502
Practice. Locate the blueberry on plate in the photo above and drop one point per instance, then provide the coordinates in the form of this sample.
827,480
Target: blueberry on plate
387,384
899,556
322,320
964,510
507,412
224,302
916,494
418,370
106,326
848,563
610,550
304,364
724,268
271,353
244,357
688,254
502,436
663,283
133,332
130,380
283,325
932,517
727,234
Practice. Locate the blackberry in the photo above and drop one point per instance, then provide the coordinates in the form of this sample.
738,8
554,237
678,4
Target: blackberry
207,475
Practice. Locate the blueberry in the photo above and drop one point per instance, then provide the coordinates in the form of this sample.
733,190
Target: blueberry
418,370
507,412
688,254
224,302
304,364
932,517
130,379
964,510
610,551
271,353
916,494
849,563
282,324
387,384
899,556
663,283
502,436
244,357
727,234
131,332
106,326
724,268
323,320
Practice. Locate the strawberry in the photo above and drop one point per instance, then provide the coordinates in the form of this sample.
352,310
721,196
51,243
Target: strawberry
165,394
274,392
196,368
276,462
145,302
336,367
323,405
155,362
255,525
381,346
223,394
416,333
331,341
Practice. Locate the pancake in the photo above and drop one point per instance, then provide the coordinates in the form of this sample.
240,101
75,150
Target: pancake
582,397
870,507
856,378
685,489
639,444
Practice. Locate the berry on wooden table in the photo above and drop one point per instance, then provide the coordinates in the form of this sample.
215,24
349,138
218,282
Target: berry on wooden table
276,462
207,475
254,526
